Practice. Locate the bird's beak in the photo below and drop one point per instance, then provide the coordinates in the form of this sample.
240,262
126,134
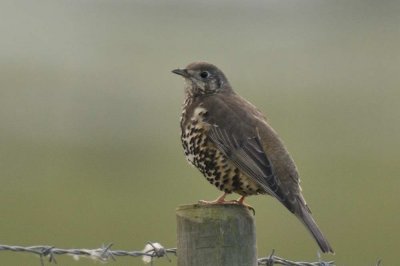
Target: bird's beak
181,72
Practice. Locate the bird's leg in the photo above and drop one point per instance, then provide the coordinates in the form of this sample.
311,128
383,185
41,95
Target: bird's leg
219,200
240,201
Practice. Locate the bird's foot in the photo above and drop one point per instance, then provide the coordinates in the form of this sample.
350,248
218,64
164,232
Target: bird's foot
240,201
221,200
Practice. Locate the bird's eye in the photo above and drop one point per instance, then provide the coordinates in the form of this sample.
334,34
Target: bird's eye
204,74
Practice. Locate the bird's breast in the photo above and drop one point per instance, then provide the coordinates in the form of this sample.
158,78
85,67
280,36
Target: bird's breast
194,134
202,153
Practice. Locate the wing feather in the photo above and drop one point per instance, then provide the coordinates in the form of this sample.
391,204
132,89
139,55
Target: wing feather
249,156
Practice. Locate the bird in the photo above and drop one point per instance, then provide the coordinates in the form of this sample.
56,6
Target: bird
231,143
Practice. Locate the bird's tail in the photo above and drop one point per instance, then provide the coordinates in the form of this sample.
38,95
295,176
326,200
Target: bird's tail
305,217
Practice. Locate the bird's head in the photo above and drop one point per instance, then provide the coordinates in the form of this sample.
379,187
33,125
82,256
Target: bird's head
203,79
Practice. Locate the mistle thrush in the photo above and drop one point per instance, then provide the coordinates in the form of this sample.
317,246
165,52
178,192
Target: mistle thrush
234,147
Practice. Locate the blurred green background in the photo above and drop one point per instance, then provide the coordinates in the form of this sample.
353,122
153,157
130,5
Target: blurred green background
89,119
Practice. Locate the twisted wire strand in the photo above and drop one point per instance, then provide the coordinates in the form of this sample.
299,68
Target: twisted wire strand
104,253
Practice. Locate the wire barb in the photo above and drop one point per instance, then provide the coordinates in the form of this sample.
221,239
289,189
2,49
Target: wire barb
271,260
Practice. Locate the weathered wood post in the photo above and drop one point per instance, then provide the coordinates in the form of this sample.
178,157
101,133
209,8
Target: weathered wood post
216,235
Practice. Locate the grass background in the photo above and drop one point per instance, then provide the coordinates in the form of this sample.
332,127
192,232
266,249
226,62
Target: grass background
89,117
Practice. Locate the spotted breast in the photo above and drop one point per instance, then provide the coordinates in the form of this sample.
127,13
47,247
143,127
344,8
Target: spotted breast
202,153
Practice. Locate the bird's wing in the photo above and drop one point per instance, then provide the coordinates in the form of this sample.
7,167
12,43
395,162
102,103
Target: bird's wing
248,155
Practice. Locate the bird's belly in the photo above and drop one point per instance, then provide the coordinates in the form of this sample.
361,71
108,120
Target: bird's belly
213,164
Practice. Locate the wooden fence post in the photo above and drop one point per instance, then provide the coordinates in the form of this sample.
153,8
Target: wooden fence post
216,235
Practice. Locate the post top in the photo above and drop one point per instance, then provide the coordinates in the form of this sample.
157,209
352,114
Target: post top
226,208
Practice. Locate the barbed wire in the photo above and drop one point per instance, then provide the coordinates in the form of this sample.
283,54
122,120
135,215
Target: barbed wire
148,254
275,260
104,253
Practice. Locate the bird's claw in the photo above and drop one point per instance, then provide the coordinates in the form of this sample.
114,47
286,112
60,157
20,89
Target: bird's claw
232,202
